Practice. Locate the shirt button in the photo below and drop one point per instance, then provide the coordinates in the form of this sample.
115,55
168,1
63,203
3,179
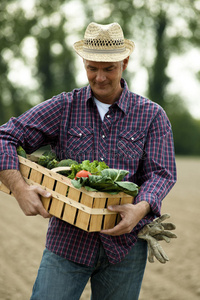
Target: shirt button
101,158
108,116
132,138
80,134
103,136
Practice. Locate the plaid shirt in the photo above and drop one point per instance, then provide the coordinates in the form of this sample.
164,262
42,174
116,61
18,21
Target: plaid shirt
135,135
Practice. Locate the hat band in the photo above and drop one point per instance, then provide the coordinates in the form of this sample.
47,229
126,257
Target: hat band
105,51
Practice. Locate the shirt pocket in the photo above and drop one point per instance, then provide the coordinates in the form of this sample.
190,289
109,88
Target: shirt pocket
131,144
80,142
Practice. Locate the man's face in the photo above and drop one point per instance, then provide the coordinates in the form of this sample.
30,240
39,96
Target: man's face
104,79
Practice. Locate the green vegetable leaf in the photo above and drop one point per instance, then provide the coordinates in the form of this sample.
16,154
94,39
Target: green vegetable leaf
89,189
85,165
94,167
101,166
114,174
128,187
79,182
74,170
76,183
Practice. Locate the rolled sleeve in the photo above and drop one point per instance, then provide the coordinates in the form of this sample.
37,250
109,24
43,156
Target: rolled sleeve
157,172
8,162
35,128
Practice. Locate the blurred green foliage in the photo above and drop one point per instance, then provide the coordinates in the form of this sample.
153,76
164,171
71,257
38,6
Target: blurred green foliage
39,39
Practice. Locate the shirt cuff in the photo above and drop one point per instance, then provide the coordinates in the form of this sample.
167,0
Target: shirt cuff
8,162
154,203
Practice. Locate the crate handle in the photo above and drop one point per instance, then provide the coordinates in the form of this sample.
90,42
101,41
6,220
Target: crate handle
58,169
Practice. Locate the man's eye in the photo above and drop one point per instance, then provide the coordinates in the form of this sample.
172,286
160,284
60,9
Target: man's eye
92,69
110,69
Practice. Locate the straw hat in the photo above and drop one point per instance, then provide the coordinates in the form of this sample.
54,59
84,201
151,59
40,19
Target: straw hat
104,43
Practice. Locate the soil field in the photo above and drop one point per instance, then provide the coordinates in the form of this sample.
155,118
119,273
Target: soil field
22,242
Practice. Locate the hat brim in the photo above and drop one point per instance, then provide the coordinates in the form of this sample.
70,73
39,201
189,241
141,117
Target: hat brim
104,57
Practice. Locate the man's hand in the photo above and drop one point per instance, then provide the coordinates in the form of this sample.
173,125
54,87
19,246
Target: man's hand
154,232
29,201
130,214
27,196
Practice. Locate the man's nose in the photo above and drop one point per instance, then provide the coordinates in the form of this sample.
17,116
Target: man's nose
100,76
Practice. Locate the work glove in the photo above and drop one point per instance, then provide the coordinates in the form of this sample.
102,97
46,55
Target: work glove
154,232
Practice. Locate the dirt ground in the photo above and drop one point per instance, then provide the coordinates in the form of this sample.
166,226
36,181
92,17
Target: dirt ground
22,242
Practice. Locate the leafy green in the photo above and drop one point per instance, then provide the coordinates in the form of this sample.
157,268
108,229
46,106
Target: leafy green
74,170
109,181
114,174
94,167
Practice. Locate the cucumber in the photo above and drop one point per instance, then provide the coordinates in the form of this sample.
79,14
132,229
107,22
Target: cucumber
21,151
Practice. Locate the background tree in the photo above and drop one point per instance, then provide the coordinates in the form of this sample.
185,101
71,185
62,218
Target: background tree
48,57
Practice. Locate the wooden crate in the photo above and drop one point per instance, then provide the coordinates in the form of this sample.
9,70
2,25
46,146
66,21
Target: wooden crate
86,210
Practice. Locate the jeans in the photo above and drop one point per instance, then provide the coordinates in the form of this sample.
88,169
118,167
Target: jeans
60,279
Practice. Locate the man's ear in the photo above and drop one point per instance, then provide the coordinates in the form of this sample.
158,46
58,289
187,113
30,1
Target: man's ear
125,63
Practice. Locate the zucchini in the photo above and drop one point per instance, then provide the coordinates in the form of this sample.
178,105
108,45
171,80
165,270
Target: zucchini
21,151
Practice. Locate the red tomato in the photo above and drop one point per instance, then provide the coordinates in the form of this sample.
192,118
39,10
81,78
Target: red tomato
82,173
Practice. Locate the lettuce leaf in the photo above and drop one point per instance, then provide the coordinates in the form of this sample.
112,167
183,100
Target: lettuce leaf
94,167
114,174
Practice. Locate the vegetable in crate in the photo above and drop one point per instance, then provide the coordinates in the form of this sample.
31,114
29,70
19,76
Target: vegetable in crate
109,181
21,151
44,160
82,173
46,157
66,163
50,154
94,167
52,164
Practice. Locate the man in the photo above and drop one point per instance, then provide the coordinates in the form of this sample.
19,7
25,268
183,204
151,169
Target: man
103,121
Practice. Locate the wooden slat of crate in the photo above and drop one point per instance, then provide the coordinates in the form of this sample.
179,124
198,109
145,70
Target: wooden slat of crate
56,204
83,218
110,220
69,214
47,182
36,176
96,220
126,199
44,171
24,170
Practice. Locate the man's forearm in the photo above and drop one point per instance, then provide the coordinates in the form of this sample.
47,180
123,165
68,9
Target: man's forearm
12,179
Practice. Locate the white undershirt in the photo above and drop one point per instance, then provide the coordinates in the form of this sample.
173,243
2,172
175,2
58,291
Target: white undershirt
102,108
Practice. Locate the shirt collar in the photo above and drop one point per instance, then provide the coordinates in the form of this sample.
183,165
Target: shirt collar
122,103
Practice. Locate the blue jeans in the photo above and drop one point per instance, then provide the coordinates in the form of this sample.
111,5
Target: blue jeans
60,279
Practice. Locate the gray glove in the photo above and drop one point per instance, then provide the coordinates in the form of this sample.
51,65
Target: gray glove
154,232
